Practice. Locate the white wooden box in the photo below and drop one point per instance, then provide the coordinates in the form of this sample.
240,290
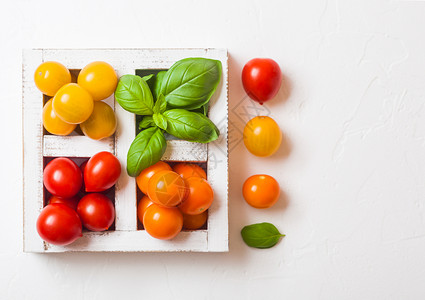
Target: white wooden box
126,237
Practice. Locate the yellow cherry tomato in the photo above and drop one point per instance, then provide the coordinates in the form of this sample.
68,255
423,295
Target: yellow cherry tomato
102,122
73,104
53,123
99,79
262,136
50,76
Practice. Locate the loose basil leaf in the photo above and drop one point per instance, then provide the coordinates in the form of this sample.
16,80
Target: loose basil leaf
160,105
146,150
160,121
261,235
190,82
190,126
157,84
146,122
134,95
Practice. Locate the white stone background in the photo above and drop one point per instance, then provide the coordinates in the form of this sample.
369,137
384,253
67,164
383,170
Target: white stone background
352,110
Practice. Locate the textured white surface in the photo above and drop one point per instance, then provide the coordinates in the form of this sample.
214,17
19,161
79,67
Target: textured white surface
353,174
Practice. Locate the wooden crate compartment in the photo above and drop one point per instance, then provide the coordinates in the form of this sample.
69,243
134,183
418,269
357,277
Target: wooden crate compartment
127,235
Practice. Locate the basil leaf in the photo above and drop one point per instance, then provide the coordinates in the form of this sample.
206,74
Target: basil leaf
190,126
134,95
147,78
157,84
146,122
146,150
160,121
160,105
261,235
190,82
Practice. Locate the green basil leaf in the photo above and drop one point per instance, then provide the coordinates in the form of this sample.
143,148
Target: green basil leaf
147,78
134,95
146,122
261,235
203,109
190,126
160,121
157,84
160,105
146,150
190,82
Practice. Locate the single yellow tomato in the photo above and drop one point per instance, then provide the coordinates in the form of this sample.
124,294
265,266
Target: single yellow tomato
262,136
73,104
50,76
101,123
53,123
99,79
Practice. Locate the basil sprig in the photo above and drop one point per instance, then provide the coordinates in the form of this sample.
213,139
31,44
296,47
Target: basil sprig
261,235
187,85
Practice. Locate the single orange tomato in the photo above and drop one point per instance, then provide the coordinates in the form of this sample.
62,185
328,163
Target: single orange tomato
192,222
167,188
262,136
99,79
101,123
50,76
187,170
199,197
144,203
73,104
162,222
261,191
143,178
53,124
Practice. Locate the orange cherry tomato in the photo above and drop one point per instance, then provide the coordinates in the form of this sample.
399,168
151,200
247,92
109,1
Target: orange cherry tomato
143,178
144,203
187,170
73,104
261,191
167,188
99,79
199,197
262,136
53,123
193,222
101,123
50,76
162,222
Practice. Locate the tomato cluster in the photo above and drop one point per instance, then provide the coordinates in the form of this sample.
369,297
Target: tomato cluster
78,103
78,197
174,198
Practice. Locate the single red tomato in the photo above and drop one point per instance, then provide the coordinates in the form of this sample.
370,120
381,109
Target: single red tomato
62,177
101,172
59,225
96,211
261,79
70,202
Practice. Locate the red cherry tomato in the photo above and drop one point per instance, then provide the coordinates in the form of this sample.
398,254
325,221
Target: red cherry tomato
58,224
101,172
70,202
62,177
261,79
96,211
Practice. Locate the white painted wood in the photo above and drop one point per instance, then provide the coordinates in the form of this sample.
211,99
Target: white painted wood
135,241
75,146
126,237
32,103
217,167
178,150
